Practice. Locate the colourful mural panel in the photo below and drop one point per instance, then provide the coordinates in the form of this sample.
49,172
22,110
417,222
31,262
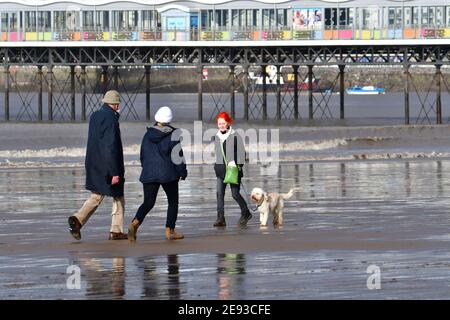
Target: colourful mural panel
151,35
330,34
345,34
276,35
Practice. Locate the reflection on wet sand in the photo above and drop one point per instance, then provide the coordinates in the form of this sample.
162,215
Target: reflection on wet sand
113,278
229,267
173,277
105,278
156,286
150,276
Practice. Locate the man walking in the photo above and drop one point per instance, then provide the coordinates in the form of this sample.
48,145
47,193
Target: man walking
105,169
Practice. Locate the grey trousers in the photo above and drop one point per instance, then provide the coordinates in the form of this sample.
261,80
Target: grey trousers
235,192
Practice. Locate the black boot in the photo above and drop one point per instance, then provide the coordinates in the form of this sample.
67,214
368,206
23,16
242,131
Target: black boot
220,222
244,218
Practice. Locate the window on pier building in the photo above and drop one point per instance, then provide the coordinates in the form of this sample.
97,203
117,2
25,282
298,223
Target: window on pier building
415,16
448,16
66,20
370,18
73,20
330,17
9,21
269,19
344,18
428,16
30,21
282,18
13,22
150,19
207,19
4,23
411,16
440,12
59,23
102,20
44,20
245,18
395,17
88,21
221,19
432,16
125,20
249,19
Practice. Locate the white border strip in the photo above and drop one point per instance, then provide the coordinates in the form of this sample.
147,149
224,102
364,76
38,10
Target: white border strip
267,43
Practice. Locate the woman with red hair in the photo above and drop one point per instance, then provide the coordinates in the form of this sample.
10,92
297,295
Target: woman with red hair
234,154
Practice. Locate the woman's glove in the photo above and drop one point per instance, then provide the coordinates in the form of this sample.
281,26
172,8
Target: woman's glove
232,163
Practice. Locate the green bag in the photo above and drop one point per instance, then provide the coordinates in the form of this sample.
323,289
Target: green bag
232,175
232,172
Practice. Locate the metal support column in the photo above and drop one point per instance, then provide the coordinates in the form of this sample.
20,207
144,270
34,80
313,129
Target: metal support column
72,91
438,94
264,97
232,96
7,80
40,89
406,91
147,92
83,93
295,92
310,91
278,93
116,78
50,92
200,92
342,90
245,88
104,79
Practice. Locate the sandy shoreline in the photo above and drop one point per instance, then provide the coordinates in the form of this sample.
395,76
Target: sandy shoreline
251,240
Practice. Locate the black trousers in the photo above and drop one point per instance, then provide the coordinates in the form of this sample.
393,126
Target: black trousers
235,192
150,193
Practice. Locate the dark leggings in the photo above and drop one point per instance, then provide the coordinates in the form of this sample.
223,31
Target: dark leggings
235,192
150,193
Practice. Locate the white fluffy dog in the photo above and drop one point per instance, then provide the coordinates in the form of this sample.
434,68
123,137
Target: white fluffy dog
270,203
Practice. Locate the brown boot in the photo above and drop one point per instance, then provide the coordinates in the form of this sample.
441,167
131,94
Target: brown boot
220,222
132,229
171,234
118,236
75,227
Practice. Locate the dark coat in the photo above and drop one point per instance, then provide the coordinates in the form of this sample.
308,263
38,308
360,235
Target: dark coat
156,155
233,142
104,153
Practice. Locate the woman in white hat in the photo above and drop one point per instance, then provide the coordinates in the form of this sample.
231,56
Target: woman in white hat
160,169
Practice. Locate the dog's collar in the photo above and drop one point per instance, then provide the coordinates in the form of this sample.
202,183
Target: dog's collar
260,202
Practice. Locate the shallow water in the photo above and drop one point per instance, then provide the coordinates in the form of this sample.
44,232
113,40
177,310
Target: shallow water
399,207
275,275
359,110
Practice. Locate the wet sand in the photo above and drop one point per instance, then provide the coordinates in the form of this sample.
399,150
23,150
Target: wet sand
347,217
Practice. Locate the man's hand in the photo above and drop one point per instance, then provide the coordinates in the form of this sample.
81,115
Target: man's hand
115,180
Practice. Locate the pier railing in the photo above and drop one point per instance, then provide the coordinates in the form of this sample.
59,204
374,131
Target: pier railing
347,32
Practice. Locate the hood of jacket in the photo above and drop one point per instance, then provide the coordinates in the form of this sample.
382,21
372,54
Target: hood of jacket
156,133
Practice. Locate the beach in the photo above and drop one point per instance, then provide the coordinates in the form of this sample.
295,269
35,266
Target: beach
370,197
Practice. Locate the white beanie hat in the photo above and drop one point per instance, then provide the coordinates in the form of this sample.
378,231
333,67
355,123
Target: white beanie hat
164,115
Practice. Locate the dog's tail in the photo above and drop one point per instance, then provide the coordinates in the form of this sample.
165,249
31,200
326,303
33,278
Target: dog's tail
288,195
